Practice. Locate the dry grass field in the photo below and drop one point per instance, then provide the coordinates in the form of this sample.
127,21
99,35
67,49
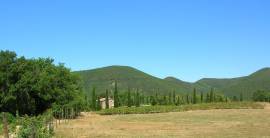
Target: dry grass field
229,123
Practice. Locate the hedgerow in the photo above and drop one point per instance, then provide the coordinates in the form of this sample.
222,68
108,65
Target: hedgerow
164,109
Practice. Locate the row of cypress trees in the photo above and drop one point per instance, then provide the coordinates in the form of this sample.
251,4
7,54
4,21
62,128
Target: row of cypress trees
137,98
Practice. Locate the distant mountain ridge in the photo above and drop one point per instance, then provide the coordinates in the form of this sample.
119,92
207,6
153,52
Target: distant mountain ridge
128,77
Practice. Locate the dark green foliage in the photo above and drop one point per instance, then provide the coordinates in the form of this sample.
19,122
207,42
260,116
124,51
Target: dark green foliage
201,97
226,99
178,101
156,98
194,96
132,78
107,99
241,97
212,95
10,118
94,99
137,98
142,99
261,96
38,126
259,80
98,104
164,101
163,109
174,98
170,99
153,100
115,95
31,86
235,99
129,103
187,99
207,98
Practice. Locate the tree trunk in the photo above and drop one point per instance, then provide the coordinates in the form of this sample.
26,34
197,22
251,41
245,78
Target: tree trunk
5,127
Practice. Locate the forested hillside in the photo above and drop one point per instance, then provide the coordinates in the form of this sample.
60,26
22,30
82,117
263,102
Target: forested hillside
247,85
127,77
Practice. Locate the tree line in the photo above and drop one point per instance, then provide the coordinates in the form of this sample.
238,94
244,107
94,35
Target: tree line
136,98
261,96
31,86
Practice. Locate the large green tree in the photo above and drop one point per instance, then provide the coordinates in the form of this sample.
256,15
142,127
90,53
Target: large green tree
30,86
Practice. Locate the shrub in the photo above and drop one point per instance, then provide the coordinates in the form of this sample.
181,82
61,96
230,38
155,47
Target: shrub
38,126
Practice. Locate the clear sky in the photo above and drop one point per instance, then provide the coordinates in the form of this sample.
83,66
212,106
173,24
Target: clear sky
188,39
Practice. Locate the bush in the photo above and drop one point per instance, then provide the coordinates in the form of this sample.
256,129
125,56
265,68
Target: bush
36,126
261,96
11,122
29,126
10,118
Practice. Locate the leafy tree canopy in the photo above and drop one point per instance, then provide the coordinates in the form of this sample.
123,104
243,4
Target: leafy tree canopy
30,86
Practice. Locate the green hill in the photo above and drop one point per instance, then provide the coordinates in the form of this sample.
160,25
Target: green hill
247,85
127,77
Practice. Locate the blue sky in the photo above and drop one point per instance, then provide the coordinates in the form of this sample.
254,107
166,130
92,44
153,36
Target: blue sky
188,39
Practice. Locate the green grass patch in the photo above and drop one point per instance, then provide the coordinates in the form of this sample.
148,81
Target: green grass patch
1,129
164,109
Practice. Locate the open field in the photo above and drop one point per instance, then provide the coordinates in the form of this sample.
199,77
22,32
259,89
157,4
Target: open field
227,123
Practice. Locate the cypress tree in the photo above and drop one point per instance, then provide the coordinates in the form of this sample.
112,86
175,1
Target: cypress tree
178,100
207,98
174,97
153,100
183,99
241,97
170,98
142,99
164,102
194,96
235,99
187,99
156,98
116,98
212,95
129,104
220,99
94,98
107,99
201,97
98,105
146,99
137,98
